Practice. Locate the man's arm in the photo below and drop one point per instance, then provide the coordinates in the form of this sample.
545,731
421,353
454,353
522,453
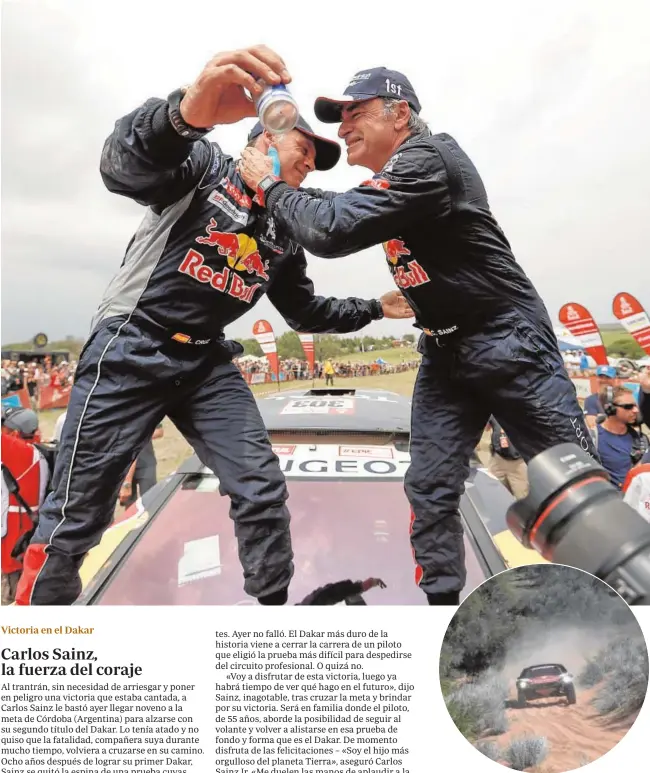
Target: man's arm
147,160
318,193
126,490
292,294
371,213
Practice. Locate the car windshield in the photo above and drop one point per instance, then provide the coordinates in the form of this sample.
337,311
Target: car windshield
531,673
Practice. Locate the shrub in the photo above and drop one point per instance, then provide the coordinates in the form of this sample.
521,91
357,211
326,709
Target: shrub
489,749
621,669
526,752
477,707
591,674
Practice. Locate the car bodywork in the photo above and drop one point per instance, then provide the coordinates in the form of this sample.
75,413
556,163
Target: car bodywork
344,453
544,681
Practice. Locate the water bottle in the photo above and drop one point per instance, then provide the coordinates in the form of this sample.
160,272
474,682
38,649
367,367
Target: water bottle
277,110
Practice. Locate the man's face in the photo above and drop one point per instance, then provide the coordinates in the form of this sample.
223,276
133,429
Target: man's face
369,133
604,381
297,154
627,410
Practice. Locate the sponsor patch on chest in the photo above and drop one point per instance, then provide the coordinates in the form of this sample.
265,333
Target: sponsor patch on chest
231,201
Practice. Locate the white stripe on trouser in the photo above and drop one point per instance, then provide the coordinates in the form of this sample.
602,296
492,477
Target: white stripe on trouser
74,452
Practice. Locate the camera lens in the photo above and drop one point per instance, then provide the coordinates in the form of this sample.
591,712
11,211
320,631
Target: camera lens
574,516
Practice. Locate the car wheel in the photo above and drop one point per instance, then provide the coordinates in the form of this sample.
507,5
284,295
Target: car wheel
521,700
571,695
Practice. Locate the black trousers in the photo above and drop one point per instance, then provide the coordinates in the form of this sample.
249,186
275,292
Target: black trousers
511,369
127,381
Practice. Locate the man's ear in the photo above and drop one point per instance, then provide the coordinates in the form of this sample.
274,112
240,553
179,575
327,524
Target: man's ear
265,141
402,115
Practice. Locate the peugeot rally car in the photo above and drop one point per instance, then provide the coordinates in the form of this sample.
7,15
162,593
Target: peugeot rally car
551,679
344,453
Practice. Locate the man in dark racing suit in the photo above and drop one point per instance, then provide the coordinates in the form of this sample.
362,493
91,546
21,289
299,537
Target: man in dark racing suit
488,344
203,255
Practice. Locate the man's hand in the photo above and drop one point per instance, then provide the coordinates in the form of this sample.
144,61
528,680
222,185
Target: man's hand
125,493
372,582
395,306
254,166
217,96
644,380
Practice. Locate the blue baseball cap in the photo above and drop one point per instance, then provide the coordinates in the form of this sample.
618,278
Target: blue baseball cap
608,371
21,420
328,152
366,85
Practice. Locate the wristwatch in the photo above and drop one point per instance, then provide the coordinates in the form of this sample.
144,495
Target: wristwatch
182,128
264,186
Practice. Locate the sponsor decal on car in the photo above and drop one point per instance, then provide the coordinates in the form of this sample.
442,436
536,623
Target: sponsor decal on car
284,450
318,405
365,452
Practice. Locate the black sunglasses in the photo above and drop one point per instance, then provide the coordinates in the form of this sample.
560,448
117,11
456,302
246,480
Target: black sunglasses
625,406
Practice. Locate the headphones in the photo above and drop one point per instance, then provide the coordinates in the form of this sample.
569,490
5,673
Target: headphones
608,405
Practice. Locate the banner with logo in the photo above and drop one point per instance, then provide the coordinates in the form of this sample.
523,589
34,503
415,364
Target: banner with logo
53,397
307,341
18,399
579,322
263,332
634,319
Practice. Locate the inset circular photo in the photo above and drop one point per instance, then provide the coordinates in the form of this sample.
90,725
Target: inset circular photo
544,668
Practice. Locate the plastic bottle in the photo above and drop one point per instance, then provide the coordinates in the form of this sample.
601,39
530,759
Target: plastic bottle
277,110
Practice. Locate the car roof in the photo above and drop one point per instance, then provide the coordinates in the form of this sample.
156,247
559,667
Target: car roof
545,665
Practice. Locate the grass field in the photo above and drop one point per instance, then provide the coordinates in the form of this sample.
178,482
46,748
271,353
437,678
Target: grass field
609,336
393,356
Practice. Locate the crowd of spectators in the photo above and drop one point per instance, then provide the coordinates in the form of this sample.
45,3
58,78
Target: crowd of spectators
295,369
33,375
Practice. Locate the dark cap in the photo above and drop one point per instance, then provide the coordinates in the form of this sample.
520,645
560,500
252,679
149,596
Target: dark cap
22,420
328,152
365,85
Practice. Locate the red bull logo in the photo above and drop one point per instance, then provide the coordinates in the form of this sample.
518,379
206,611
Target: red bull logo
240,250
410,275
394,248
225,281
